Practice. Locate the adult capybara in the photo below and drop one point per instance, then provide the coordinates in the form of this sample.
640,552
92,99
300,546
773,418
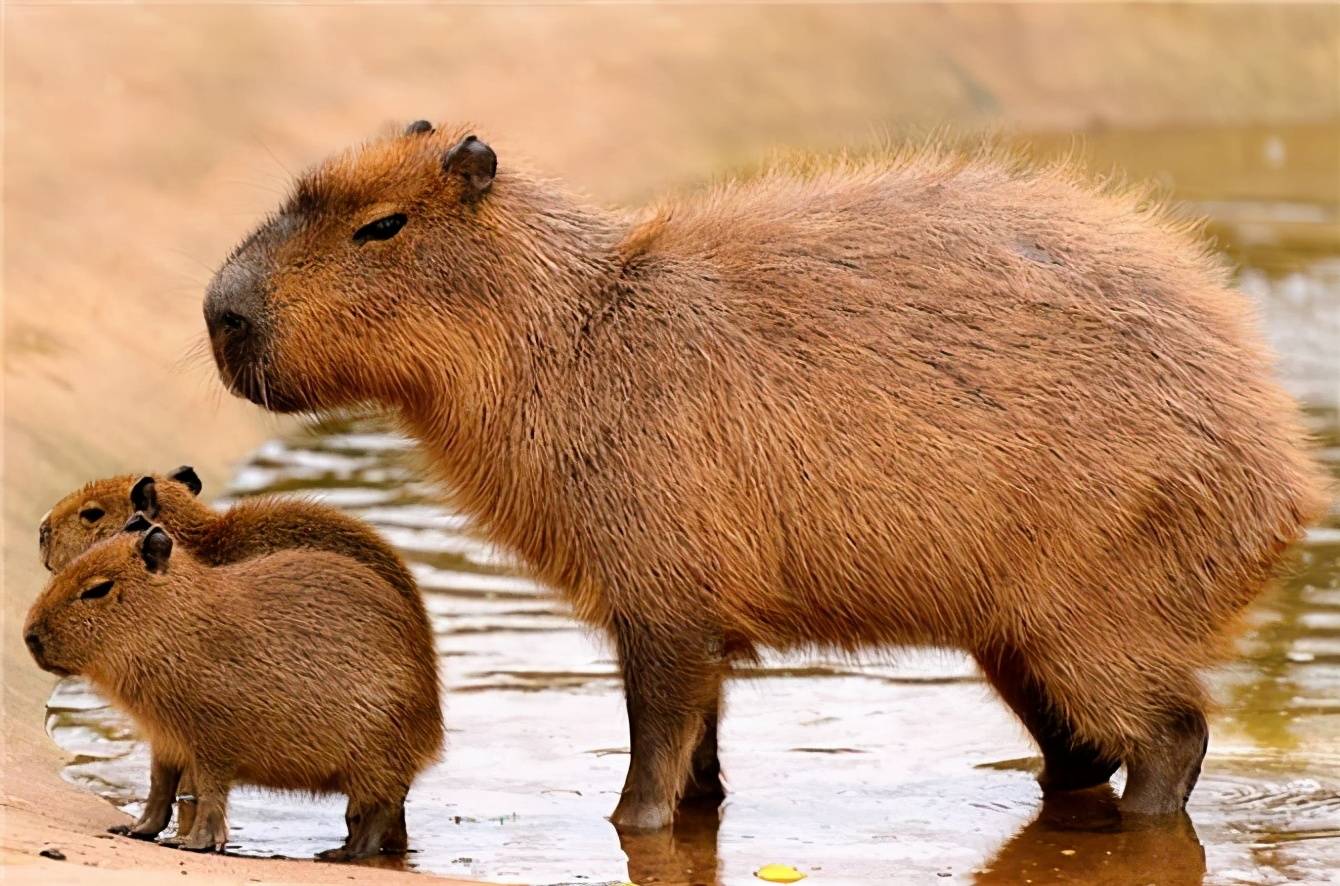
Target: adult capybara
905,400
253,526
300,670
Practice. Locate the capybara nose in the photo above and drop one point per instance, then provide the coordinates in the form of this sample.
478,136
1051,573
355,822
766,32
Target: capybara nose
34,644
233,302
226,323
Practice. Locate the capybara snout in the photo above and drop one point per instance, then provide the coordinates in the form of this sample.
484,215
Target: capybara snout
86,606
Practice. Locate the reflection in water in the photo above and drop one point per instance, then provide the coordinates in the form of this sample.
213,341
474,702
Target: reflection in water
688,854
1081,838
903,770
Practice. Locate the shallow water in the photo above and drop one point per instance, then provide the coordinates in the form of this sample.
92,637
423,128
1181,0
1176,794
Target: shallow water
906,770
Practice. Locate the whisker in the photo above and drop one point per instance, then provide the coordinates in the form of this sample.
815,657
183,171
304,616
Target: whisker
198,353
260,378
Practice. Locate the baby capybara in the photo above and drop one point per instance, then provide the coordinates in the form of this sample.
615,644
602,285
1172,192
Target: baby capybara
253,526
916,399
300,670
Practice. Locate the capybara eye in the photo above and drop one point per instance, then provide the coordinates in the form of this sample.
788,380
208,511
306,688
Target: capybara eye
91,515
101,589
381,229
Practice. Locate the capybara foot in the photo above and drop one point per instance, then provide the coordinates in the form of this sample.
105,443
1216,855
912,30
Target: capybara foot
344,853
204,838
372,828
127,830
1159,779
634,816
199,844
1079,770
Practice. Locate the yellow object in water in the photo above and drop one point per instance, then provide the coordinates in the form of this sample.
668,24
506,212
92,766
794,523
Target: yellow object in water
779,873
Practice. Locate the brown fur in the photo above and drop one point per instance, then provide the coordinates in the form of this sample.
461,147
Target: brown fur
250,528
253,526
300,670
916,399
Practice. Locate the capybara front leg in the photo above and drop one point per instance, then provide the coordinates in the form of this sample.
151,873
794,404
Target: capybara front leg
396,841
704,787
163,778
186,804
670,679
209,832
1160,775
1068,764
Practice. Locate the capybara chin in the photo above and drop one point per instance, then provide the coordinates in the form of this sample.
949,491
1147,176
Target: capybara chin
915,399
300,670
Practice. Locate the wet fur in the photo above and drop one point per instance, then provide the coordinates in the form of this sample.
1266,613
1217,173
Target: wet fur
914,399
299,670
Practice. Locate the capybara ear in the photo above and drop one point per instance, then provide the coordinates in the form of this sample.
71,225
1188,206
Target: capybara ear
137,523
186,476
156,549
418,127
144,497
475,163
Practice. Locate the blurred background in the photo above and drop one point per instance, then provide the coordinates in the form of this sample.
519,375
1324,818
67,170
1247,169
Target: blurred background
141,142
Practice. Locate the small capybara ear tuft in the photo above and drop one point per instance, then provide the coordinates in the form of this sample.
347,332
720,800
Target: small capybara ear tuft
155,549
137,523
418,127
144,497
187,476
475,163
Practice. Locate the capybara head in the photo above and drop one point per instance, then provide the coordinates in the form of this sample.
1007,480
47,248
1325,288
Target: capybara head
101,508
91,606
373,248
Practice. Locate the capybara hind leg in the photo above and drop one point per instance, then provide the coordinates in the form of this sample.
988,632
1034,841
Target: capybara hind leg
1068,764
370,824
1161,774
163,779
209,833
670,679
704,787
